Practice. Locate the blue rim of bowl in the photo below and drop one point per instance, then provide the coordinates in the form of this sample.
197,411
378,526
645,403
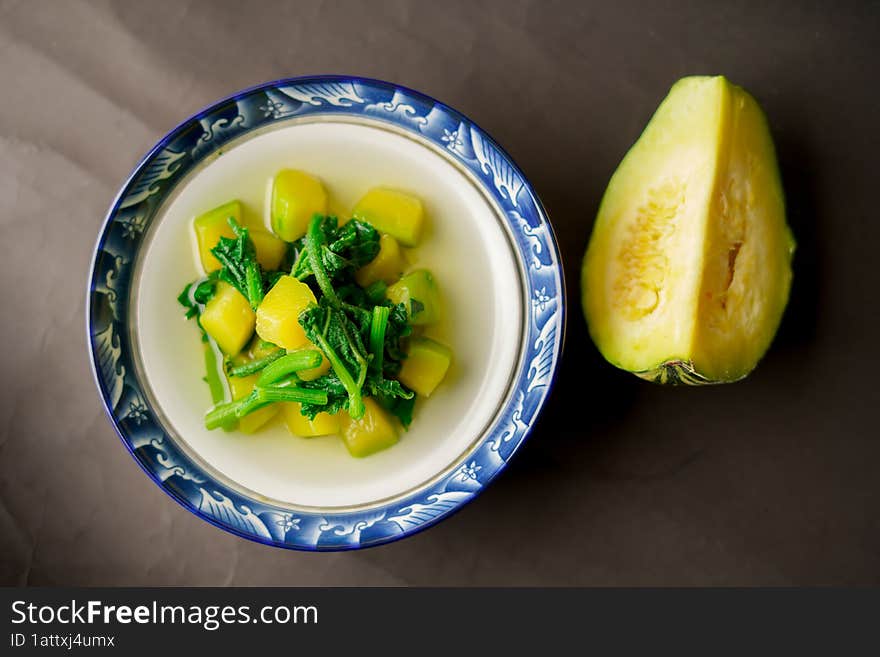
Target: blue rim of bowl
201,135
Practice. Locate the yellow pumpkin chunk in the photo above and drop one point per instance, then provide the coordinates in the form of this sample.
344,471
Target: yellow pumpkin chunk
214,224
278,314
228,318
270,250
426,364
373,432
418,292
210,227
395,213
299,425
296,196
241,387
387,266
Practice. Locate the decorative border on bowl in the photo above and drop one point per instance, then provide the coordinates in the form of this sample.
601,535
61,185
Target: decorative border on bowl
198,137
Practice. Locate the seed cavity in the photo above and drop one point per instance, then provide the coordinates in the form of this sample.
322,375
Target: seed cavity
643,264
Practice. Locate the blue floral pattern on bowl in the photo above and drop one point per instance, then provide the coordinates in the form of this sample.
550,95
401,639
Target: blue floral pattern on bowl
121,237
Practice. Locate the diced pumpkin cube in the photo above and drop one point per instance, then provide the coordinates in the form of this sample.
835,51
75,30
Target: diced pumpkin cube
425,365
419,293
256,420
210,227
241,387
278,314
214,224
315,372
373,432
389,211
270,250
387,266
228,318
296,196
299,425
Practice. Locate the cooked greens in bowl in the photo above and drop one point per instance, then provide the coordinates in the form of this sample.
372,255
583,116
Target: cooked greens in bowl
484,247
316,320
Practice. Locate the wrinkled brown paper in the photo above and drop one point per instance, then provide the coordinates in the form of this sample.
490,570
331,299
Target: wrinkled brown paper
773,481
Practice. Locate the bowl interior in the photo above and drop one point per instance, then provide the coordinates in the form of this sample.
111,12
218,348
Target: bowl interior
467,247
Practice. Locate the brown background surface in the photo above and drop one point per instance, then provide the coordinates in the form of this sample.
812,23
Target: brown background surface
770,481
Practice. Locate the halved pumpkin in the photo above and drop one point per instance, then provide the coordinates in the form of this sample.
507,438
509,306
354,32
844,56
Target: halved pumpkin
688,269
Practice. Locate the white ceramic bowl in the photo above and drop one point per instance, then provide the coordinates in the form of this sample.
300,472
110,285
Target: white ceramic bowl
488,243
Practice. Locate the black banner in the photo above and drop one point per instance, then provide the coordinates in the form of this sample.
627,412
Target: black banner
345,621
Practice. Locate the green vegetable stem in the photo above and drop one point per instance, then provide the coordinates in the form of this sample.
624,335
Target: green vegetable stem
286,365
377,336
254,366
224,415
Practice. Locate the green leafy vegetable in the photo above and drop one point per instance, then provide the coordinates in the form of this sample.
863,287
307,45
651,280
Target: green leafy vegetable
381,387
337,395
240,267
358,330
396,332
316,249
356,243
347,318
330,329
401,408
195,295
354,373
334,253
